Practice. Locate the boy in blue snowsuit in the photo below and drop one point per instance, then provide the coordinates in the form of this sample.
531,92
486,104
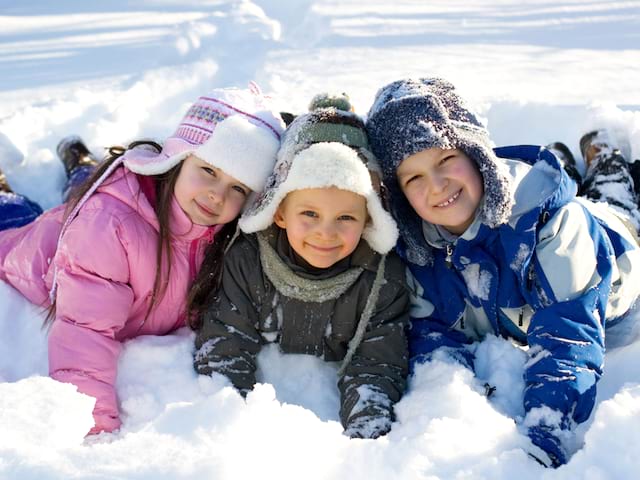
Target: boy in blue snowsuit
497,243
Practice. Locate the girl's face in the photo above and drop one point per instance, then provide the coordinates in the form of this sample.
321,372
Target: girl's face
444,187
323,225
207,194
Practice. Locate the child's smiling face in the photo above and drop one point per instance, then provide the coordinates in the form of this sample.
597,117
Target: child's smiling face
444,187
207,194
323,225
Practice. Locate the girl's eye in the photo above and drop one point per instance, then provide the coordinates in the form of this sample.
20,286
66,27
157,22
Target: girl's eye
241,190
209,171
348,218
309,213
447,158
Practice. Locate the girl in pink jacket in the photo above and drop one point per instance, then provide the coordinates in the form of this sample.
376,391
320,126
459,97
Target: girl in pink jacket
118,260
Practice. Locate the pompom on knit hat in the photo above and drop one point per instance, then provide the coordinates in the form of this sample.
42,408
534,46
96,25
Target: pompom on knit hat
232,129
412,115
327,147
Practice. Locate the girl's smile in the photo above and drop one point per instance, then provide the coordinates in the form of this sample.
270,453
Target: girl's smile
207,194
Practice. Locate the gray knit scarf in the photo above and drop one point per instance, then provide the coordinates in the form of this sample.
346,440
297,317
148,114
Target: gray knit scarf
304,289
289,284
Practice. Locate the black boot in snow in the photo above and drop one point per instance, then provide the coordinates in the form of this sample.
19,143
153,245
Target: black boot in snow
609,176
634,170
598,143
74,153
4,184
567,160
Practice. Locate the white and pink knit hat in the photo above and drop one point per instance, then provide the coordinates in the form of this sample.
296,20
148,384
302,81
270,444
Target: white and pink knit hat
232,129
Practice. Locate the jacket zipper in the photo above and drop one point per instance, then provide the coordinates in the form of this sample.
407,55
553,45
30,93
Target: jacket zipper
449,258
530,274
193,250
529,283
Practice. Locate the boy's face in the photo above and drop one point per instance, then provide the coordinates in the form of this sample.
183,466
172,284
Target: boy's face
207,194
323,225
444,187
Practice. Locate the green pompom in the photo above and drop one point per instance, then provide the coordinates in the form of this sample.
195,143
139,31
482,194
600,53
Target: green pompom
338,101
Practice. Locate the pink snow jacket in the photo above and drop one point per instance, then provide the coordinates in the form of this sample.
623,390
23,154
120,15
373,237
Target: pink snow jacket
106,266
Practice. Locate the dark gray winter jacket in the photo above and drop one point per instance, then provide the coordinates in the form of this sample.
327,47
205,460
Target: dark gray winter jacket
267,296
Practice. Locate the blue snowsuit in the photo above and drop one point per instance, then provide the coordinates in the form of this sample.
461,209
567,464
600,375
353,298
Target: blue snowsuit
17,210
537,264
552,277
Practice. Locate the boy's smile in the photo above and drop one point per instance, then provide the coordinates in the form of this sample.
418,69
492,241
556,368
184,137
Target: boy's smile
444,187
323,225
450,200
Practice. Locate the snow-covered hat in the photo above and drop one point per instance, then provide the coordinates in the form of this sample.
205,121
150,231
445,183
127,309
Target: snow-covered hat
324,148
232,129
412,115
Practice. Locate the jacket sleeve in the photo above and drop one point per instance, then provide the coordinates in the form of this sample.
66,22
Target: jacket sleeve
571,274
375,378
26,252
92,304
228,341
429,332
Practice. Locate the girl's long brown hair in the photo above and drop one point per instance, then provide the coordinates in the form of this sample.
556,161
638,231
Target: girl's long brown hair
164,185
208,278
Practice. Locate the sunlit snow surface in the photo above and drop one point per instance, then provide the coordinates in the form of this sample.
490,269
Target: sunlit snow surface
537,71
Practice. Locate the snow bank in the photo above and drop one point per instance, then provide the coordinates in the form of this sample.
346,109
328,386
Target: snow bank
40,413
536,72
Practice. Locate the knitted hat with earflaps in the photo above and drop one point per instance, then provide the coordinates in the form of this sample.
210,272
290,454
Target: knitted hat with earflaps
327,147
412,115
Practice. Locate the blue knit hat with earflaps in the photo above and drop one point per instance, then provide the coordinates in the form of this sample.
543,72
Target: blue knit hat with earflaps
412,115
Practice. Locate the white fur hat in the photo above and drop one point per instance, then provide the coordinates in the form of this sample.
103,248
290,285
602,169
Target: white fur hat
338,160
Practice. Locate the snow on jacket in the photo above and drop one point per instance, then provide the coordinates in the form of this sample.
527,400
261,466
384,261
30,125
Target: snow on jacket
552,277
314,312
106,267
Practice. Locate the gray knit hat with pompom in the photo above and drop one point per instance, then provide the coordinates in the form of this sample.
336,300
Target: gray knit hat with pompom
412,115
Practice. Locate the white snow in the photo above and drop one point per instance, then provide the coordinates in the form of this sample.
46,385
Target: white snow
536,70
478,281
